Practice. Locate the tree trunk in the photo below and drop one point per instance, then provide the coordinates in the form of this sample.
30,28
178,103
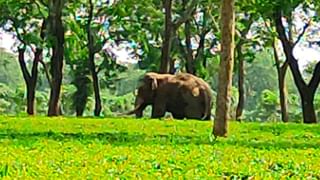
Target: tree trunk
226,68
283,95
241,89
189,55
281,71
308,111
57,33
30,80
92,65
241,69
96,89
30,100
200,51
166,44
172,68
79,111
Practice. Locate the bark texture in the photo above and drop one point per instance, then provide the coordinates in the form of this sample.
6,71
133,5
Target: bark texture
281,71
30,79
226,68
56,34
166,44
92,65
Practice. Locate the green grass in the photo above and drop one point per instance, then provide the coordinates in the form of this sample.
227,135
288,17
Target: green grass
72,148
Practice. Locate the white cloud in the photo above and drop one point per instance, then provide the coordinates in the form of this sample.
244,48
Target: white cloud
306,55
6,41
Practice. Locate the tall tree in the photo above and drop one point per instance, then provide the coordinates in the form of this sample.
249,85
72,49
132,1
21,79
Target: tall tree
226,67
92,65
56,39
279,11
281,68
76,58
170,29
166,44
197,28
30,35
306,90
240,55
281,71
30,79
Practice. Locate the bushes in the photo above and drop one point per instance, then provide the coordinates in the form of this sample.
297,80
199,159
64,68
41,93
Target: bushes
11,100
113,105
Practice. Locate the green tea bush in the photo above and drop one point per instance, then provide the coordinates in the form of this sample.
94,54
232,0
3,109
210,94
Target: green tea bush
119,148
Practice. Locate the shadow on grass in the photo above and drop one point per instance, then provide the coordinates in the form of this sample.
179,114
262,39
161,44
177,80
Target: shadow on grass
269,145
132,139
114,138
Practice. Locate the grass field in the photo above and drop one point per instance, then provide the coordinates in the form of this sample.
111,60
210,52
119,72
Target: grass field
72,148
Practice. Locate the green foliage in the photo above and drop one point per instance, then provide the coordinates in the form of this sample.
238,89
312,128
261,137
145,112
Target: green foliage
5,93
8,69
11,99
69,148
42,99
140,25
113,105
67,99
260,75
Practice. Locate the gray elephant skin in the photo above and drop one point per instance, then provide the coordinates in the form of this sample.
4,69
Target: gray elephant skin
183,95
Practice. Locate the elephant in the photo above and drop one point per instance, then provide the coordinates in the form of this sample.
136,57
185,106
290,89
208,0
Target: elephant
183,95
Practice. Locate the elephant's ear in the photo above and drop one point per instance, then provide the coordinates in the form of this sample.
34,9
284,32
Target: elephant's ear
152,80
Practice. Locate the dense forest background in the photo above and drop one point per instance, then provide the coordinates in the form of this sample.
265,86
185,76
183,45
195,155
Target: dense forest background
178,36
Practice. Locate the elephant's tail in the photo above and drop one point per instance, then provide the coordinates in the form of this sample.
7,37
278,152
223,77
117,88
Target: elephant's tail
207,105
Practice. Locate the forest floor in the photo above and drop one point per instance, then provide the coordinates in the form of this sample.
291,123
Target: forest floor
110,148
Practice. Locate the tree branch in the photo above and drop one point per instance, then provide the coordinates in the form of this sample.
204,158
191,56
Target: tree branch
200,48
45,67
98,48
186,15
288,50
305,27
315,80
281,33
275,54
89,32
34,70
15,27
267,26
25,72
43,3
181,47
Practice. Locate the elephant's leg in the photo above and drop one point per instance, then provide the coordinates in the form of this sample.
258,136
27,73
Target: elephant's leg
158,108
177,111
193,111
139,112
177,116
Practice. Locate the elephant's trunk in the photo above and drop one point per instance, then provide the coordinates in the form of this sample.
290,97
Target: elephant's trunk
138,104
134,110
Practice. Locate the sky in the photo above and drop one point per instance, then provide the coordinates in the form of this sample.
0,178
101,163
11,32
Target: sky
302,53
7,41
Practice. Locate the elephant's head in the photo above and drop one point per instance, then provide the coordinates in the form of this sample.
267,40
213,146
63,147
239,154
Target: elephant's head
146,92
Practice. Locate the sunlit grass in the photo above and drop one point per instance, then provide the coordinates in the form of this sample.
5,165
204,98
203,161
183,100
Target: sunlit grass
69,148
